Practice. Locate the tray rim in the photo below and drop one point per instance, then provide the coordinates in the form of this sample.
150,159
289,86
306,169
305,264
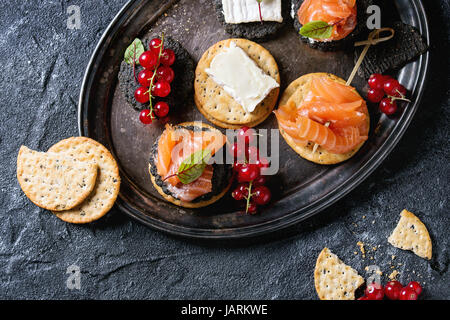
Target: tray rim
290,218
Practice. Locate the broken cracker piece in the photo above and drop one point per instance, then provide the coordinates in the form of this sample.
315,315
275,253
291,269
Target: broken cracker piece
411,234
333,279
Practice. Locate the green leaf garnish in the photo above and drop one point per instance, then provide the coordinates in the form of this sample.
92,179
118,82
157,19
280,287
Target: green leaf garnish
134,51
193,166
317,30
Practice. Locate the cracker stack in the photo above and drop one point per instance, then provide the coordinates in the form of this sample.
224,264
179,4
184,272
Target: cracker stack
78,179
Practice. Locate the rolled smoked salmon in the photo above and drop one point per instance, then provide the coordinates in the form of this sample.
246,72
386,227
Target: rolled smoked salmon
331,115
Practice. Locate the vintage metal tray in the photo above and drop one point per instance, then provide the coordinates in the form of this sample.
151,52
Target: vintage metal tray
301,189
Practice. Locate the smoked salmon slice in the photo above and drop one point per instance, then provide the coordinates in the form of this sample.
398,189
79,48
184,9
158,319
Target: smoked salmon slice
331,115
339,115
339,13
177,144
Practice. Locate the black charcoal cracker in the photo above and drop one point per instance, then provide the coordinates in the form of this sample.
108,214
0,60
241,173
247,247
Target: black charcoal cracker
406,45
348,41
222,173
181,86
256,31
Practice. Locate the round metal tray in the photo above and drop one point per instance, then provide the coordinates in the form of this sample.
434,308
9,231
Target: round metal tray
301,189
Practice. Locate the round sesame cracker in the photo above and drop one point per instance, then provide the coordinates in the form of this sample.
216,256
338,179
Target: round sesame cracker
107,187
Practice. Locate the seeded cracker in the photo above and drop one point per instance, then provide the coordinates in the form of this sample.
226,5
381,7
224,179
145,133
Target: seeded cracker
218,106
295,93
52,181
108,182
411,234
333,279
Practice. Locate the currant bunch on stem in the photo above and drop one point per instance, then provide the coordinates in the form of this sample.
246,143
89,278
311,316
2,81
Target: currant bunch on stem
247,167
385,90
155,79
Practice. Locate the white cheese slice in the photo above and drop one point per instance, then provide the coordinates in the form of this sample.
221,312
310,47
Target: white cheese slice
240,77
242,11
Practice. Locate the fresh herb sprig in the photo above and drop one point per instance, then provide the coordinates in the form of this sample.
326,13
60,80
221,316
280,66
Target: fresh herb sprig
192,167
132,54
318,29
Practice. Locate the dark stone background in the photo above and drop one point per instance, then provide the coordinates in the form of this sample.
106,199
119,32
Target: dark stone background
42,67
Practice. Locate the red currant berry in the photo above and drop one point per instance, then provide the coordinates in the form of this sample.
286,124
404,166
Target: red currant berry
262,195
243,188
374,291
260,181
167,57
161,89
375,95
145,116
408,294
390,85
237,194
363,298
246,134
144,77
252,208
392,290
388,106
263,163
148,60
376,81
237,166
161,109
165,74
414,285
252,154
155,45
141,95
248,172
236,151
399,91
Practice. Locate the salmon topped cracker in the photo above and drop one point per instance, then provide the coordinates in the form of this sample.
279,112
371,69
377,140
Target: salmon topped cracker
340,14
176,147
329,114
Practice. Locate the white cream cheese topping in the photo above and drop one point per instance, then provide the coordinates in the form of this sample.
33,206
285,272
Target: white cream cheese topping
240,77
242,11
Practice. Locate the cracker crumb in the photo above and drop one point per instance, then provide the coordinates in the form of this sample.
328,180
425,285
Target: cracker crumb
361,247
393,275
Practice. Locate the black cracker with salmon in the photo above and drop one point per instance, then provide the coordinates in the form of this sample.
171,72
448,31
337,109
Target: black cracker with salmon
406,46
343,44
222,173
256,31
182,85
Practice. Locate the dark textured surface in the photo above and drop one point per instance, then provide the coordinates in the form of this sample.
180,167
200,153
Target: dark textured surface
406,45
254,30
43,64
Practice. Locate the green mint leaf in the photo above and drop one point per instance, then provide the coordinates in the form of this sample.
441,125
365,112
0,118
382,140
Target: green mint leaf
193,166
316,30
134,50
